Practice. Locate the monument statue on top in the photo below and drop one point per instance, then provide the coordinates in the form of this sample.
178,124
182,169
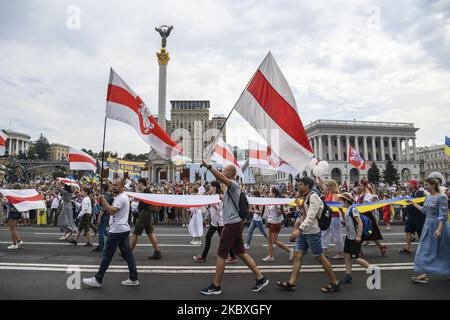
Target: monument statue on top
164,31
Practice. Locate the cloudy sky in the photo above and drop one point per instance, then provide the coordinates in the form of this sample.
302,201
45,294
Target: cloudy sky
374,60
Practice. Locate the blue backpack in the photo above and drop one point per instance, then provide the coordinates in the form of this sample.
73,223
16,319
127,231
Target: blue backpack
367,225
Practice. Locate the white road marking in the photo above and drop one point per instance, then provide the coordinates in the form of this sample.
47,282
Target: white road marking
191,269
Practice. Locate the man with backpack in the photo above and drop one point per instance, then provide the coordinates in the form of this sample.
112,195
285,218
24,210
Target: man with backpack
235,208
308,235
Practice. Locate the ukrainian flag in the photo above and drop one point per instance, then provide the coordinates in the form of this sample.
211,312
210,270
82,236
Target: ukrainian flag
447,145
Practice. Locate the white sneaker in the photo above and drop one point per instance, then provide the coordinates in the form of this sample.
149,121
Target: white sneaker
268,259
193,242
130,283
19,243
13,247
291,255
62,238
92,282
246,246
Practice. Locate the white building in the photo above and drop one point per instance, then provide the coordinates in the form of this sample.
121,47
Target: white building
16,143
434,158
376,141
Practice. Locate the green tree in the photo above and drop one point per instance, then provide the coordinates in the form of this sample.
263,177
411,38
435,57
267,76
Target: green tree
42,146
129,157
373,174
390,174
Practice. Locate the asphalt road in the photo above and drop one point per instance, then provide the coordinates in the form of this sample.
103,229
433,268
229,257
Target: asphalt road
39,270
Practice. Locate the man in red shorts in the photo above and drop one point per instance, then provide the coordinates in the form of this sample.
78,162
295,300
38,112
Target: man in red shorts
231,237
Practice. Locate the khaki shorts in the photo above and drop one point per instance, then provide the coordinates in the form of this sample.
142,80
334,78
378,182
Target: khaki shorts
143,223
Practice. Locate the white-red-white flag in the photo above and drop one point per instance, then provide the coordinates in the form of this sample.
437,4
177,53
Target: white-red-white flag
223,155
24,199
79,160
354,158
69,182
126,106
3,138
268,104
262,156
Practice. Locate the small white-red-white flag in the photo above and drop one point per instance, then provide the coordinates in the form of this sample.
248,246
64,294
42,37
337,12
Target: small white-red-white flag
262,156
268,104
24,199
69,182
3,138
354,158
79,160
223,155
126,106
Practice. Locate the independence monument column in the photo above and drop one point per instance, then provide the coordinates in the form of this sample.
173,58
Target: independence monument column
163,59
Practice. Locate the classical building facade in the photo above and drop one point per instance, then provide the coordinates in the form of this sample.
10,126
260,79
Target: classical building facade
16,143
433,158
376,141
191,127
58,152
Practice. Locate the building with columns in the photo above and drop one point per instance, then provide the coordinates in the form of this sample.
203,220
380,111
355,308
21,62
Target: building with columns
433,158
16,143
376,141
191,127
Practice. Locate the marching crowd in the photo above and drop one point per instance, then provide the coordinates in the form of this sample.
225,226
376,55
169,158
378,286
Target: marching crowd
105,210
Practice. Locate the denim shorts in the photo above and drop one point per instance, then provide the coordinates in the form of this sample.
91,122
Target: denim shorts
313,241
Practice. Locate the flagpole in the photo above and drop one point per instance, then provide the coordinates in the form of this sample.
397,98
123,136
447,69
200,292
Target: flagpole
229,114
103,157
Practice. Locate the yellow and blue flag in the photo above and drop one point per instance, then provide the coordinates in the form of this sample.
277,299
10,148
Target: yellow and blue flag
447,145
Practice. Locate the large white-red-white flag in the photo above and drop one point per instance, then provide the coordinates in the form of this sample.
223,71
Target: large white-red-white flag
126,106
268,104
24,199
69,182
79,160
3,138
223,155
354,158
261,155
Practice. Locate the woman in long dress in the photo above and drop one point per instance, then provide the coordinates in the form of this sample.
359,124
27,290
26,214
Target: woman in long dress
433,253
196,224
65,219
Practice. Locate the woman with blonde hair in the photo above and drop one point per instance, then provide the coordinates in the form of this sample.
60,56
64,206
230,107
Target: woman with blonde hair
330,190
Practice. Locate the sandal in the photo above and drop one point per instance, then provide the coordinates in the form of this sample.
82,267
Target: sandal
286,285
383,250
417,280
331,288
404,251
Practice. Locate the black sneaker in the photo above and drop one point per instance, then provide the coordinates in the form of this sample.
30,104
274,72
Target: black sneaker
74,242
346,280
212,289
89,245
261,283
98,249
156,256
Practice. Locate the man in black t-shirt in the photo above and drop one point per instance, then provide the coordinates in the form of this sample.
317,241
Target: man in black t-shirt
414,218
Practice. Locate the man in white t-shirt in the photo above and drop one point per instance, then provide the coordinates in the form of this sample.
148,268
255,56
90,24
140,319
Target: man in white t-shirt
119,236
84,218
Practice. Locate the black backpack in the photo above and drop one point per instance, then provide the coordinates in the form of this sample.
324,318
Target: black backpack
325,218
243,209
